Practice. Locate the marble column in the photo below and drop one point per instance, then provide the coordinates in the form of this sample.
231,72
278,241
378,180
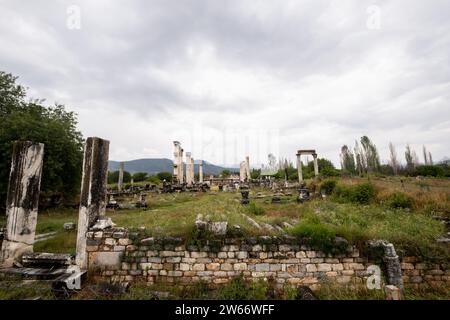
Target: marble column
22,201
121,170
299,168
316,165
200,171
93,192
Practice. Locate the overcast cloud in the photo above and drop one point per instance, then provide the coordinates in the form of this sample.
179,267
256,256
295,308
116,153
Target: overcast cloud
230,78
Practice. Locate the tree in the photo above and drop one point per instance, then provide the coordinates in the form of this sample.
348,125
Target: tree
425,155
370,153
430,158
360,166
409,157
113,177
394,162
226,173
164,176
347,160
53,126
139,176
255,173
326,168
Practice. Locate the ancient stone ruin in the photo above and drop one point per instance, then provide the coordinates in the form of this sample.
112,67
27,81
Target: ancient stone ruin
22,201
244,170
299,163
93,192
120,182
178,163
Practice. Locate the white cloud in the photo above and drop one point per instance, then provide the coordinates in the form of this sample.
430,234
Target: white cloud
309,73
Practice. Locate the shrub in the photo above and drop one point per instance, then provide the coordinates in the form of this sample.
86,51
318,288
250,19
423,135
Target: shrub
361,193
256,210
320,237
400,200
433,171
240,289
327,186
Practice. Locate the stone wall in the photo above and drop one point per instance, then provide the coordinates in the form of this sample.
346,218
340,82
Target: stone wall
119,255
417,272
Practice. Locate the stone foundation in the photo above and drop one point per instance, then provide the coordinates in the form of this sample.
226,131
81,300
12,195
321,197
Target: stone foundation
119,255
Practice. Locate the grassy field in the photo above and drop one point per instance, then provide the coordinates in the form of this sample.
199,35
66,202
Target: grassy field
406,221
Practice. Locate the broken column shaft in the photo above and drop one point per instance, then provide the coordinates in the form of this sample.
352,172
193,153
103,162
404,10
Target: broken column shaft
200,171
316,165
121,170
22,201
93,192
299,168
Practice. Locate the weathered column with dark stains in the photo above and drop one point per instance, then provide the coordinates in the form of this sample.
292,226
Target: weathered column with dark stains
22,201
120,182
93,192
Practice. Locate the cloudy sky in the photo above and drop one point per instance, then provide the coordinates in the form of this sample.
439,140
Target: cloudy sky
230,78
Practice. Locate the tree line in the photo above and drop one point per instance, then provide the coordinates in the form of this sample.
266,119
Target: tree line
364,159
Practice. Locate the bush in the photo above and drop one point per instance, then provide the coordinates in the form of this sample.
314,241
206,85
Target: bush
164,176
320,237
254,209
240,289
399,200
361,193
328,186
433,171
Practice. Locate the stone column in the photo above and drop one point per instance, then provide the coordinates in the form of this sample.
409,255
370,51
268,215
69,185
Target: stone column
93,192
247,162
316,165
180,167
177,162
120,183
200,171
299,168
242,171
189,169
22,201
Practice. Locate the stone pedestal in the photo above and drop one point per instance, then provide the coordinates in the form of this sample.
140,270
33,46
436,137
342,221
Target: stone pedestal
22,201
93,192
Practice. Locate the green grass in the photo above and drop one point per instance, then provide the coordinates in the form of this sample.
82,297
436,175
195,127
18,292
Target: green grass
18,290
174,214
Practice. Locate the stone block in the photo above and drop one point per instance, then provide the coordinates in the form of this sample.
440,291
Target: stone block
109,260
240,266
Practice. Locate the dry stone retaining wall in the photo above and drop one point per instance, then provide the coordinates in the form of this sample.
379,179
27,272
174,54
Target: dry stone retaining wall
119,255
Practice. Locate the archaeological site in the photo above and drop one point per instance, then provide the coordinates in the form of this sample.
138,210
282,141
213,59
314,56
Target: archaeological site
234,159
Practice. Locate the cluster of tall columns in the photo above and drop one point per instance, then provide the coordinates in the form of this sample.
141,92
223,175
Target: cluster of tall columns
178,172
299,163
22,201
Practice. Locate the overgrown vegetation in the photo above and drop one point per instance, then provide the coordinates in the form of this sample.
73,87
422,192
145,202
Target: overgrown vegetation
363,193
23,119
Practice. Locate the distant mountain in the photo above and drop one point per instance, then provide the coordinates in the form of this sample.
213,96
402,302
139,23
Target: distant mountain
154,166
